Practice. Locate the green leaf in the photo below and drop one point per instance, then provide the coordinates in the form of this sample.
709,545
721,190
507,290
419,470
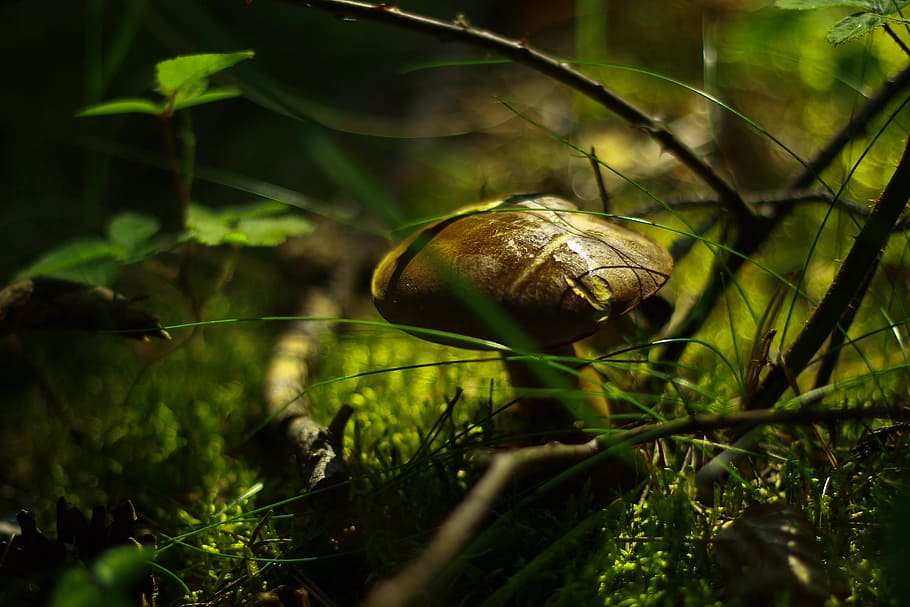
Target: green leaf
183,80
854,26
206,226
131,105
174,74
260,208
209,96
76,589
110,583
121,568
132,232
71,260
260,224
272,231
129,229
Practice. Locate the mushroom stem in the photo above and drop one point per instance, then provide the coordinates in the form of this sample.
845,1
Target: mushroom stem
527,271
551,400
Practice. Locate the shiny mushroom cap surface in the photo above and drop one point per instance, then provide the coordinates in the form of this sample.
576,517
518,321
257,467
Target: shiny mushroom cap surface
555,272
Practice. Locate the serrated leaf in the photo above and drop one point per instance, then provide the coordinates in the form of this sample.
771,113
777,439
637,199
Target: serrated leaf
173,74
887,7
272,231
132,105
258,224
206,226
854,26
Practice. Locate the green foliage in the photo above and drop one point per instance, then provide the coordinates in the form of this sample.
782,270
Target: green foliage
259,224
111,581
873,14
183,81
97,260
164,424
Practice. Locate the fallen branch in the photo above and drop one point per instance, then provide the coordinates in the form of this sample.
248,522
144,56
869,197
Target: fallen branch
413,581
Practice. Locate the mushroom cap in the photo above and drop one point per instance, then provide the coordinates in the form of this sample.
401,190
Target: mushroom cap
557,273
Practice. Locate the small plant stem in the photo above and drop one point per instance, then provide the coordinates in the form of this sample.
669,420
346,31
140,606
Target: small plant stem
183,202
599,178
847,289
561,71
180,187
414,580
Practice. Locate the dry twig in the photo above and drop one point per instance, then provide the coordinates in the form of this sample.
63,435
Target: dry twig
414,579
561,71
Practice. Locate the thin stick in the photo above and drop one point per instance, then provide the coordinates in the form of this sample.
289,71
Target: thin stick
862,257
844,290
561,71
749,241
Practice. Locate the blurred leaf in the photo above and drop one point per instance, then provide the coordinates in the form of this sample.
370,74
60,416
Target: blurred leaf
272,231
183,80
209,96
132,105
121,568
206,226
77,589
176,73
255,225
108,584
130,229
68,259
96,260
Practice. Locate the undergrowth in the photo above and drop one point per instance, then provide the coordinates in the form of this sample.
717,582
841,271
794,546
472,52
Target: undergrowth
178,429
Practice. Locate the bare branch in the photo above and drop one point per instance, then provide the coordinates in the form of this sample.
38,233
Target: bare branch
844,290
772,202
749,241
850,277
561,71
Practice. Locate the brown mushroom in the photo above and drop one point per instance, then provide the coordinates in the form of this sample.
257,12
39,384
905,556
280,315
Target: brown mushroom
530,272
